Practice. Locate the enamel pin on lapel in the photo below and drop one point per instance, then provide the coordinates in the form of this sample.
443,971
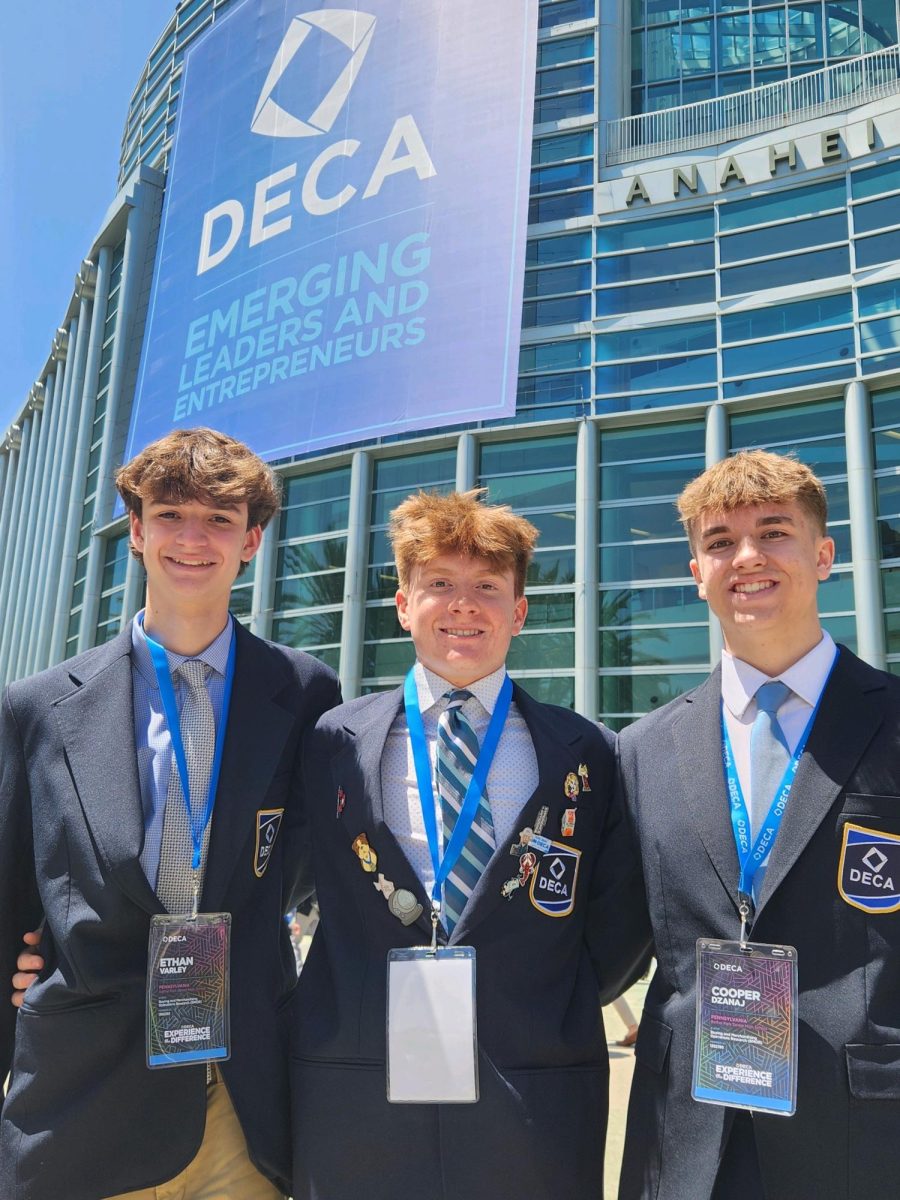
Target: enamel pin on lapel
527,863
532,838
571,789
583,776
341,801
368,859
402,904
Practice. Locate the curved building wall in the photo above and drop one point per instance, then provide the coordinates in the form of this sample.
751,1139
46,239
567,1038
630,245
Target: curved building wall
754,302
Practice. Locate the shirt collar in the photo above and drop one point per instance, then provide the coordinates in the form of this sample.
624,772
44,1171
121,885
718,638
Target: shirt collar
806,677
215,655
432,687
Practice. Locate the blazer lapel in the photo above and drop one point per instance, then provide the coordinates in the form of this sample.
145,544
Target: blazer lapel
259,724
697,733
848,718
356,771
96,721
554,757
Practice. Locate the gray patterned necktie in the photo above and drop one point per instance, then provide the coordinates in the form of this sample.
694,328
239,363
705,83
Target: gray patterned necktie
175,882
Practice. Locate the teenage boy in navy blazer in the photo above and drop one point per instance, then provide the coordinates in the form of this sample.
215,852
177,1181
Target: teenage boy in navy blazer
85,778
555,916
757,529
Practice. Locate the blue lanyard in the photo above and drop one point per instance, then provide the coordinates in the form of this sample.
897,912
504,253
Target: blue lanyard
167,693
751,857
453,849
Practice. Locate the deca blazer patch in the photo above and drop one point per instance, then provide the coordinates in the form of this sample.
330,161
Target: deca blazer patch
869,870
553,883
268,822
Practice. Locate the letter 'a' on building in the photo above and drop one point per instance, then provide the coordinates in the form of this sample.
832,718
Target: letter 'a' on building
570,251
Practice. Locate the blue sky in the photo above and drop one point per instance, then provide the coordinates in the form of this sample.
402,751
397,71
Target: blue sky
67,71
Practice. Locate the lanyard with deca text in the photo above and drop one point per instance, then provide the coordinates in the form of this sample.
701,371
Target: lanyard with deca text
167,692
453,849
751,857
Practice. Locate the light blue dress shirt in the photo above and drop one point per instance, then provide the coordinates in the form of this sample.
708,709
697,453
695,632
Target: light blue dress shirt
151,730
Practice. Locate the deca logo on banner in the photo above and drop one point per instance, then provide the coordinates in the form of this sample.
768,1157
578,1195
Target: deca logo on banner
403,150
354,30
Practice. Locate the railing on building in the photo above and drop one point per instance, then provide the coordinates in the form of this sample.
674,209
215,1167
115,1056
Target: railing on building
725,118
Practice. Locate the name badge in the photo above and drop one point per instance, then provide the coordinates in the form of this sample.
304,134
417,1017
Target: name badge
745,1044
431,1031
188,987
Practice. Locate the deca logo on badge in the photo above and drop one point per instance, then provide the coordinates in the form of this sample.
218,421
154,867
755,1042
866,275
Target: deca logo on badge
869,866
553,883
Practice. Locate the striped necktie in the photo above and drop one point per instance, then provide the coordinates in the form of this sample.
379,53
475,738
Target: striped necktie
457,753
175,882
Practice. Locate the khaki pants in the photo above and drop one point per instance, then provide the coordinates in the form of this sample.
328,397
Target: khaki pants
222,1169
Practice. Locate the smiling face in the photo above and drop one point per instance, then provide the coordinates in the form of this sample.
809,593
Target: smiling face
192,553
759,568
462,613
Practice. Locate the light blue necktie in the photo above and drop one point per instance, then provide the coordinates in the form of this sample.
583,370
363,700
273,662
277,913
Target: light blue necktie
769,758
457,753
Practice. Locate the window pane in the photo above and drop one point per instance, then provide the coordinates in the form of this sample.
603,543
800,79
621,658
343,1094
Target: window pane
789,352
873,180
778,272
884,247
775,239
654,647
542,252
787,318
653,605
781,425
667,293
652,264
689,227
779,206
659,339
655,373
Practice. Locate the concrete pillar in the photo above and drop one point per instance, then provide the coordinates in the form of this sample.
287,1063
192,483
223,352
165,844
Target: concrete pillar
864,525
716,450
134,260
6,593
613,68
263,602
587,573
92,285
30,579
133,598
354,613
466,462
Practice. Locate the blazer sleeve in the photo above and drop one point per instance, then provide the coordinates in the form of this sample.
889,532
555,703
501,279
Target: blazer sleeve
617,926
20,908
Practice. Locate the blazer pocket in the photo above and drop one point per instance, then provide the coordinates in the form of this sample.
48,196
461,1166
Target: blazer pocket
873,1071
652,1046
879,809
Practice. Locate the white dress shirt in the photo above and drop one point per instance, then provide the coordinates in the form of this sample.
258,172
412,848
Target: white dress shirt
510,783
740,682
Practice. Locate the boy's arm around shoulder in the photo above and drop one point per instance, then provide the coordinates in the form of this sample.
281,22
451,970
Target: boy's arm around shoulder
617,926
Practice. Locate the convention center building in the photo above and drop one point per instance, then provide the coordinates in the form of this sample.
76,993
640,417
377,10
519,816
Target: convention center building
713,263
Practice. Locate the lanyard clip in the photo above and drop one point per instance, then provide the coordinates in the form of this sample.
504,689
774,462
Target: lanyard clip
435,909
745,908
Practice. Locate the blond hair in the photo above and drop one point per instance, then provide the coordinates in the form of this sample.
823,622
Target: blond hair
428,524
749,478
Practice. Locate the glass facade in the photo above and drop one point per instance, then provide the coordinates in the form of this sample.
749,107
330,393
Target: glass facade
683,51
654,340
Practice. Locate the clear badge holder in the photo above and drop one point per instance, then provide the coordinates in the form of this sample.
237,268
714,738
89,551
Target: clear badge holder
188,989
745,1044
432,1055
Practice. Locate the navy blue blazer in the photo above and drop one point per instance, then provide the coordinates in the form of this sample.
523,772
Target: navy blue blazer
84,1117
537,1131
842,1143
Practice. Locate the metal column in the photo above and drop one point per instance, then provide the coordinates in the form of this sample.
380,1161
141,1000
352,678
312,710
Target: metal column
716,450
587,573
354,614
864,525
